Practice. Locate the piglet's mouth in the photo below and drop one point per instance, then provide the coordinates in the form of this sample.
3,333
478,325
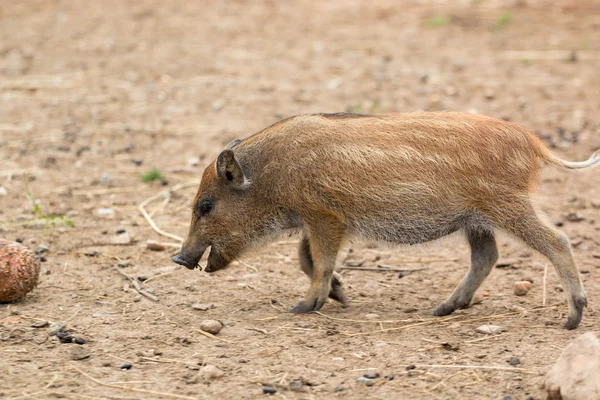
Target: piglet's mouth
216,260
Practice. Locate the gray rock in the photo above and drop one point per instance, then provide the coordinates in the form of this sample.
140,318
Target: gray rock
211,372
576,374
79,353
56,327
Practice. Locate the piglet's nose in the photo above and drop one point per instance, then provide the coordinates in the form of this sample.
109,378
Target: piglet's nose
182,261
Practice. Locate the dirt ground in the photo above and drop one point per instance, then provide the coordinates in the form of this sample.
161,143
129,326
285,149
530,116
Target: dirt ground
95,94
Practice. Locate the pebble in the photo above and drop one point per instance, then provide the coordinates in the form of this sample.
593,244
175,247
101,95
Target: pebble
514,361
528,279
372,376
105,179
122,238
137,298
79,340
137,162
56,327
155,246
202,307
338,389
371,316
126,367
41,249
79,353
411,367
489,329
269,390
120,230
365,381
142,278
559,288
522,287
211,326
507,398
124,264
595,203
64,337
40,324
105,211
3,191
574,217
211,372
400,275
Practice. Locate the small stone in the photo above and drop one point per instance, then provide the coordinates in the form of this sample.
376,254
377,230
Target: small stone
42,249
595,203
559,288
79,340
528,279
137,298
211,326
64,337
79,353
489,94
400,275
389,377
120,230
365,381
211,372
202,307
372,375
142,278
596,255
508,397
137,162
105,179
574,217
514,361
411,367
105,212
56,327
522,287
123,238
489,329
40,324
354,263
269,390
124,264
338,389
451,346
126,367
559,223
3,191
155,246
371,316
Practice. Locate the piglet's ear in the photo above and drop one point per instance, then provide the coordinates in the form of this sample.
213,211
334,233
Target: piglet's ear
230,171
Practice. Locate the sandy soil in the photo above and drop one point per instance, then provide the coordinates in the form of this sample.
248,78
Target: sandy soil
95,94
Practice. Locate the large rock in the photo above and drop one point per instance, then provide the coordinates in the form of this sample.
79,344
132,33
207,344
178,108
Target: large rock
576,374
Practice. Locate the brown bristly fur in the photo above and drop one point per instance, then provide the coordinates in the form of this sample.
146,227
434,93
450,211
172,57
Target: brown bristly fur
396,178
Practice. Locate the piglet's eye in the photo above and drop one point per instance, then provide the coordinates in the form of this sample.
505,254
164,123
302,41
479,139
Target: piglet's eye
205,206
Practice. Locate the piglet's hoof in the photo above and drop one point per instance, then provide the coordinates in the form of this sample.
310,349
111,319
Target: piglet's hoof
302,308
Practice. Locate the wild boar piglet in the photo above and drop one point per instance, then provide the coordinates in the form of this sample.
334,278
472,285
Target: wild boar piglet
395,178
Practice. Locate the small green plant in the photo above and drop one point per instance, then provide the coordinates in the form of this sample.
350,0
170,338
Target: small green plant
49,219
153,175
437,21
503,21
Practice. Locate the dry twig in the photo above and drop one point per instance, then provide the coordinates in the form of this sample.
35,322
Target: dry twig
158,195
136,286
